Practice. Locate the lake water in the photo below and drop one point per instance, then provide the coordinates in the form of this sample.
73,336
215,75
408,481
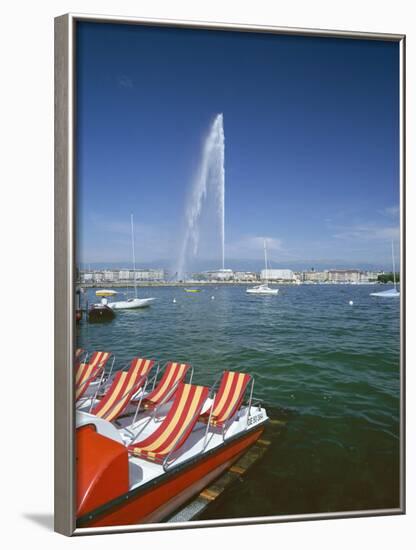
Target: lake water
327,370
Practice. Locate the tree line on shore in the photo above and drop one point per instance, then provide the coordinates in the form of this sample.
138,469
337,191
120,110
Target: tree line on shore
388,278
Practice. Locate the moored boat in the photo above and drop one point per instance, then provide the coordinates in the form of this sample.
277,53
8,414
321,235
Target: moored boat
141,471
131,303
264,288
99,313
105,293
392,292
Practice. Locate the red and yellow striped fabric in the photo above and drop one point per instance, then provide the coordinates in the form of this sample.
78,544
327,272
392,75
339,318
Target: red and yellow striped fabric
174,374
229,397
123,387
144,365
176,427
87,372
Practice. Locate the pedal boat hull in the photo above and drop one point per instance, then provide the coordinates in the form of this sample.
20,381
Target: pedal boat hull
158,499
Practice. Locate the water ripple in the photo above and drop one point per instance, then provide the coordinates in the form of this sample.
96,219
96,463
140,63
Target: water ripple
335,367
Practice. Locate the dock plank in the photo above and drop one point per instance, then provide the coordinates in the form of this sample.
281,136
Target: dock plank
198,505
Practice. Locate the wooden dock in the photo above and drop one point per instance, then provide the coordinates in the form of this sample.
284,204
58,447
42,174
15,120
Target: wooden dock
193,509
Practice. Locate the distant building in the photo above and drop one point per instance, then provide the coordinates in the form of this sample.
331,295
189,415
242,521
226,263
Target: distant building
277,274
124,275
219,275
150,275
369,276
314,276
344,275
109,276
86,277
114,275
248,276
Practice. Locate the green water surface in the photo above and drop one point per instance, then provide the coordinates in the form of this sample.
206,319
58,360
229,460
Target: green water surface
327,370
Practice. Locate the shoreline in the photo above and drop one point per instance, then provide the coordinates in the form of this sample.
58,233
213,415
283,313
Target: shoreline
146,284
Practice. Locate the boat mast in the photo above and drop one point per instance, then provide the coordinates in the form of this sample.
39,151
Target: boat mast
265,261
134,256
394,266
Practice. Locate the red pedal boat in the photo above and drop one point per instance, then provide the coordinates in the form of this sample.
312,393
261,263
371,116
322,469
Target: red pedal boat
144,466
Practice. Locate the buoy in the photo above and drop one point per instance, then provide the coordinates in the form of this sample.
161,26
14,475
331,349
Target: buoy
174,301
212,297
351,303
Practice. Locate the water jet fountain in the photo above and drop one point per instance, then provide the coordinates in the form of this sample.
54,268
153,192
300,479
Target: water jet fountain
210,178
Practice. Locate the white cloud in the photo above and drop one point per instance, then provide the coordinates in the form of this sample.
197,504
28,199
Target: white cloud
368,232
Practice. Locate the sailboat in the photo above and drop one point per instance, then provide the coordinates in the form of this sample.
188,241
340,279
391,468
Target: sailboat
392,292
132,303
263,288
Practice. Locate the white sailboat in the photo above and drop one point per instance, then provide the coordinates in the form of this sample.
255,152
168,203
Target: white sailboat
132,303
392,292
263,288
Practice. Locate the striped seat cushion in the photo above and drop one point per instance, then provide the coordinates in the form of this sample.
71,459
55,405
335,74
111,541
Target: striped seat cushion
176,427
229,397
174,374
144,366
86,372
122,389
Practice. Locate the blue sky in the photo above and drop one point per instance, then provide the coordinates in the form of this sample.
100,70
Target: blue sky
311,143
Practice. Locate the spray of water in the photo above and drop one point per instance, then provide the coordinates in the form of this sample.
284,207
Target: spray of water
210,178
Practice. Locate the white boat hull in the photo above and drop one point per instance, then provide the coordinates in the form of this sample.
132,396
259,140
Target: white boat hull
134,303
392,293
263,290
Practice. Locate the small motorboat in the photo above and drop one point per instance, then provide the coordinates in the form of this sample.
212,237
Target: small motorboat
192,289
105,293
139,468
100,313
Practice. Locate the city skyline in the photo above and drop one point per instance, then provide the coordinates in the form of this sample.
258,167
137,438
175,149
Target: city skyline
240,265
311,144
121,277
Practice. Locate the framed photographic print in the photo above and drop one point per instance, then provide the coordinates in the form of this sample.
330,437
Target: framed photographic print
229,299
